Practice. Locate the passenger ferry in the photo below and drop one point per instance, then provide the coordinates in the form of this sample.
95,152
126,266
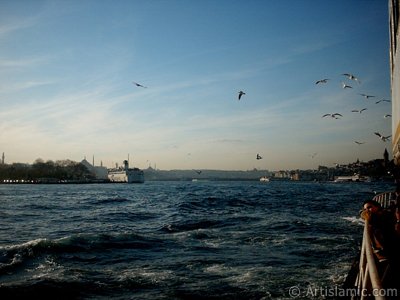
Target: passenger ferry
369,278
353,178
126,174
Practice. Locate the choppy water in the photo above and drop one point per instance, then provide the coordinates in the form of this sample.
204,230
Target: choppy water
178,240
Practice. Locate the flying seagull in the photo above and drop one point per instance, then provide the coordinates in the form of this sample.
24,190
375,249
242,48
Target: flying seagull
359,111
359,143
367,96
139,85
383,100
335,115
387,116
351,77
241,93
313,155
258,156
383,138
345,86
197,171
322,81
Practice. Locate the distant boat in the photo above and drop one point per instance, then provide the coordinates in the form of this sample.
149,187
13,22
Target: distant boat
126,174
264,179
354,178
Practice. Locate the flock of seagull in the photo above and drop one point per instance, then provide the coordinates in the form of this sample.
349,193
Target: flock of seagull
332,115
366,96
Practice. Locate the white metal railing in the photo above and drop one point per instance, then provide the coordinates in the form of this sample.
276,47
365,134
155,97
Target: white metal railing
385,199
368,282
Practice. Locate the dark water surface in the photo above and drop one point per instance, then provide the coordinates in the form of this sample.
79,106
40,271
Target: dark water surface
178,240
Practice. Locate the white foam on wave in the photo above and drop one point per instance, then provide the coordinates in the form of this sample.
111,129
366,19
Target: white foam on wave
217,269
243,277
16,260
25,245
48,269
355,220
153,276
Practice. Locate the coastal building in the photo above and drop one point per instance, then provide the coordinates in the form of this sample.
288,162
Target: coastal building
100,172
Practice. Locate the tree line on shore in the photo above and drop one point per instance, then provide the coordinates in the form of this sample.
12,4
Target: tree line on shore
58,170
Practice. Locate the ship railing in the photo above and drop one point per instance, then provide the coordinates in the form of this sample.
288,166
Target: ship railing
368,282
386,200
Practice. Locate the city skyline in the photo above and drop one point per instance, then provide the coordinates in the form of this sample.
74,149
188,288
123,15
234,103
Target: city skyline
160,81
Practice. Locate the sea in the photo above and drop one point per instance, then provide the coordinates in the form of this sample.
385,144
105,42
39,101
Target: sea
180,239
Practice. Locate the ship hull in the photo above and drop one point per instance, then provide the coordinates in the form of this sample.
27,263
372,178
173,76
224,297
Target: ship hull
129,176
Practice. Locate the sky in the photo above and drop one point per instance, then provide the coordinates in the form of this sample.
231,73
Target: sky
68,68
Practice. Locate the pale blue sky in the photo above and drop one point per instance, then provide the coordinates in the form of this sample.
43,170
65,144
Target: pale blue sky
67,67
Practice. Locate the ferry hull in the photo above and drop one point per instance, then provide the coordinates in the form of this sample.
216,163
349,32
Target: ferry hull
126,174
128,177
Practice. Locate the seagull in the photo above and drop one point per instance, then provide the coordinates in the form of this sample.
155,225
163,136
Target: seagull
322,81
383,100
258,156
359,143
359,111
139,85
383,138
313,155
367,96
387,116
335,115
198,172
345,86
241,93
351,77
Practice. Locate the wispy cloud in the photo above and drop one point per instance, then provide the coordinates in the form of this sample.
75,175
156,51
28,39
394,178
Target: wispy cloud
9,26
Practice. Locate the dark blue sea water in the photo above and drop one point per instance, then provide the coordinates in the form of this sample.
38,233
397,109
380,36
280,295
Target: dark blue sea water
178,240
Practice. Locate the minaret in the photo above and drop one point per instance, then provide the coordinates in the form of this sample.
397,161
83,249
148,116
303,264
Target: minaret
386,157
93,161
2,159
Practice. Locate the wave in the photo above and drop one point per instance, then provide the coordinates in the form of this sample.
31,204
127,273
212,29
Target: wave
189,226
13,256
235,240
355,220
113,200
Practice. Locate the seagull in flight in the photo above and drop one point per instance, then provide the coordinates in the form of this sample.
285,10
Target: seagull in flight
197,171
322,81
359,143
387,116
258,156
139,85
351,77
367,96
313,155
345,86
335,115
382,100
359,111
383,138
241,93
